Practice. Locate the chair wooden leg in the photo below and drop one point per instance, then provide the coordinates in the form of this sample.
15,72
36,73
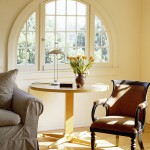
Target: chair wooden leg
117,140
92,140
140,141
133,143
38,145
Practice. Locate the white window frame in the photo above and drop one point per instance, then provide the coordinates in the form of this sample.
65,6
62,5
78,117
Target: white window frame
31,66
14,35
39,65
42,61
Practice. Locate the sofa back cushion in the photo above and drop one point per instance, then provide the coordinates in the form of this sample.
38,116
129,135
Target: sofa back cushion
7,84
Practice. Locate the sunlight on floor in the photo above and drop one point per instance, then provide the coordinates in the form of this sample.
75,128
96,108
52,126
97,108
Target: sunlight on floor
44,143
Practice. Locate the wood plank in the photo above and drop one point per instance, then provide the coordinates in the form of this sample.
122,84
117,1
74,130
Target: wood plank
104,141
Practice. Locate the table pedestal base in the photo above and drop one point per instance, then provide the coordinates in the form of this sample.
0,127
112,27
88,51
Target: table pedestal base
72,138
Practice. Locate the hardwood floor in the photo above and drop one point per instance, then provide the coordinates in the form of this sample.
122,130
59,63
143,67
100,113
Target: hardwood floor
104,141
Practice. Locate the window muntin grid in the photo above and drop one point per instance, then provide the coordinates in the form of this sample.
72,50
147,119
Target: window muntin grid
27,42
67,27
101,42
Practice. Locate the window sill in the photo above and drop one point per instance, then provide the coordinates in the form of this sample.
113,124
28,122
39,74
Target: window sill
49,74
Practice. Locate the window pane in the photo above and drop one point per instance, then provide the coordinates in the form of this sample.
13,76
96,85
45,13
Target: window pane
61,7
81,51
98,24
49,23
30,39
31,23
31,55
81,9
98,39
105,54
71,23
60,23
22,40
48,58
60,38
61,58
49,39
81,24
101,55
80,39
21,56
71,52
71,7
50,8
104,39
71,39
98,55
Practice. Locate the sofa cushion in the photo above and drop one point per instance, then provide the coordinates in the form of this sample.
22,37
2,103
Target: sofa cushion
9,118
7,84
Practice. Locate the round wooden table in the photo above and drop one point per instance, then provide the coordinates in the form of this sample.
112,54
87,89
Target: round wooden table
69,94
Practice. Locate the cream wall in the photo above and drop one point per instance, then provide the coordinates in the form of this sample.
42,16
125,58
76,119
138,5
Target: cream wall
8,12
145,50
125,17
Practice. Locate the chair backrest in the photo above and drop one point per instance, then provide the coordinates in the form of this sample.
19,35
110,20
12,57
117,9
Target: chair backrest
126,96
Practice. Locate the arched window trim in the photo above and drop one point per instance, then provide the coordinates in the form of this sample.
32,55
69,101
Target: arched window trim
33,7
94,12
15,31
111,31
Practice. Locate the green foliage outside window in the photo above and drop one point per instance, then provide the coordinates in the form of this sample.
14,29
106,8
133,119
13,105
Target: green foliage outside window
68,28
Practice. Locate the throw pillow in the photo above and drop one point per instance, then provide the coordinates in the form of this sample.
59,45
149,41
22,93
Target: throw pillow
7,84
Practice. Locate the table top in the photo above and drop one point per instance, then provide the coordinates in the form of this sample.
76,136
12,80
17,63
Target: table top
47,87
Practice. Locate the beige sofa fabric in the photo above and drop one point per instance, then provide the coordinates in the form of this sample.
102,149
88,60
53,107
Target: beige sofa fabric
7,84
9,118
18,125
24,135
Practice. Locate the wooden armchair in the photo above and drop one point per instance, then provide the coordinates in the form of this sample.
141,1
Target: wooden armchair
125,112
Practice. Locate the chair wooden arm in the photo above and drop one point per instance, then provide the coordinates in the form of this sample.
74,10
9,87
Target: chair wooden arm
141,106
100,101
95,104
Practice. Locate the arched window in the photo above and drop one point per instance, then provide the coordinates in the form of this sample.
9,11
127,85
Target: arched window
66,24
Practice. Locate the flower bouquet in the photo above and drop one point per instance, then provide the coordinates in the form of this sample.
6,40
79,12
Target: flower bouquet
80,65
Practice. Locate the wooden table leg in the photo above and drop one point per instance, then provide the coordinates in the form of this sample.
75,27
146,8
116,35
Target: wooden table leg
69,121
69,113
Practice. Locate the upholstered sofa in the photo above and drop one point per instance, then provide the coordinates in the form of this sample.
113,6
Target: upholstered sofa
19,114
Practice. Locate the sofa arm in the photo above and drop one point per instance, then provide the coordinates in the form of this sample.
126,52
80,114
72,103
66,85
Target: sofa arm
27,106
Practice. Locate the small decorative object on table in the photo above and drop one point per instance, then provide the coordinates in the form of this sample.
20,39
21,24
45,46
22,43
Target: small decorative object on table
80,65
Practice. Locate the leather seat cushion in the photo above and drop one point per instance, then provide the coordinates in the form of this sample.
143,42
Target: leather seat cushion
116,124
9,118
